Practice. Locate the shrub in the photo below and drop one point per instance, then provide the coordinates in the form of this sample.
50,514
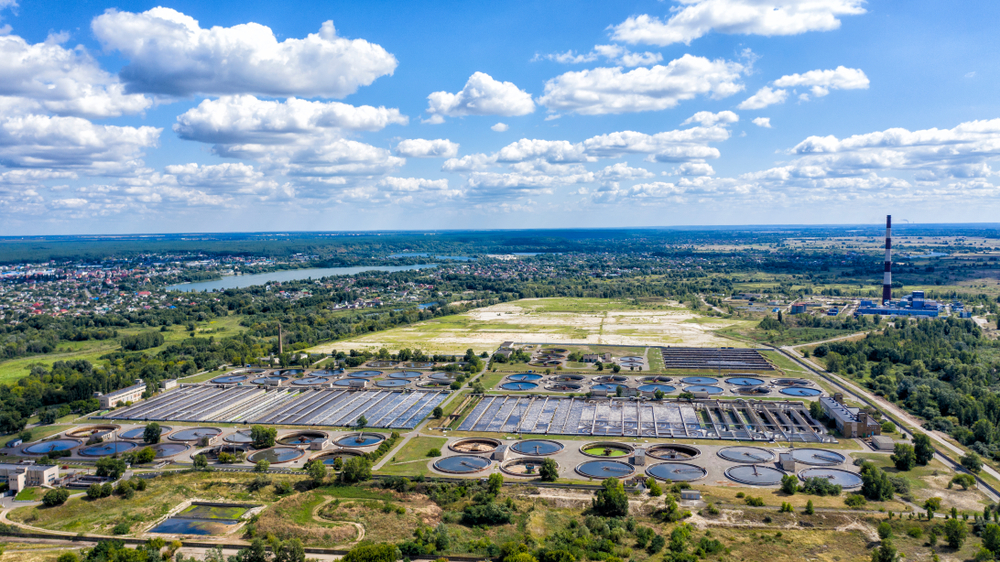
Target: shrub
904,457
786,508
955,532
963,480
884,530
789,484
151,434
915,532
356,469
487,514
654,487
820,487
121,529
754,502
55,497
434,453
809,508
549,471
263,437
855,500
610,500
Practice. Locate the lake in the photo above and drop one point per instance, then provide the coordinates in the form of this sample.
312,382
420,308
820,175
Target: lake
242,281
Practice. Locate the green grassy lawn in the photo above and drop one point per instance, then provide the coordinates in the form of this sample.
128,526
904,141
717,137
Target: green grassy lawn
408,461
30,495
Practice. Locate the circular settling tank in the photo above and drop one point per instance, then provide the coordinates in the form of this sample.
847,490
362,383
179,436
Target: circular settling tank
673,452
631,364
478,445
554,351
307,381
746,454
391,383
46,447
331,457
702,388
652,388
382,364
522,467
755,475
163,450
229,379
194,433
537,447
611,378
791,382
302,437
348,381
360,440
404,375
842,478
753,390
270,380
519,386
91,431
744,381
699,380
565,387
137,432
524,377
276,455
569,378
608,387
656,379
633,358
801,391
605,449
325,373
605,469
238,437
365,374
419,364
676,471
291,372
817,457
441,376
105,449
462,464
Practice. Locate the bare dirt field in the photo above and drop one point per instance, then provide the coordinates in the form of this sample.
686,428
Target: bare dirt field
557,320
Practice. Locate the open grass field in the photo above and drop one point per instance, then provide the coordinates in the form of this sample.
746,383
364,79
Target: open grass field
92,350
592,322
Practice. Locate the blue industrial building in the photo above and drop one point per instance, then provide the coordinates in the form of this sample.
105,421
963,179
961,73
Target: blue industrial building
913,304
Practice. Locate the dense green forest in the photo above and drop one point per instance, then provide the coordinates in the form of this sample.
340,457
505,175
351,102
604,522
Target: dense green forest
943,370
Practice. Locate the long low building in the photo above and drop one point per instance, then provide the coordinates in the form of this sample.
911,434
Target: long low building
851,422
21,476
130,394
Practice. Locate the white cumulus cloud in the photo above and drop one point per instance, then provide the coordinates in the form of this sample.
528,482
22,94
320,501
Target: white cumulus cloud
613,53
49,77
821,82
482,95
170,53
707,118
248,119
696,18
611,90
499,127
424,148
764,122
39,141
763,98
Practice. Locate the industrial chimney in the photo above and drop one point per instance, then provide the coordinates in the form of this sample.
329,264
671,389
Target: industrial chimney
887,279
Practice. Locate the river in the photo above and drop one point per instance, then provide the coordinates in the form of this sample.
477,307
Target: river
242,281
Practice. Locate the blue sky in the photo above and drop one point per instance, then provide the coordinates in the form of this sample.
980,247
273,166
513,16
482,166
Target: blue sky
248,116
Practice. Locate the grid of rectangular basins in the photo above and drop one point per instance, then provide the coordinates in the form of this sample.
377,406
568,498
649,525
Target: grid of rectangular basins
281,406
702,358
708,419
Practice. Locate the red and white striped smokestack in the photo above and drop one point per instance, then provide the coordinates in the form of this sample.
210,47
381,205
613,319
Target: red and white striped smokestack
887,279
